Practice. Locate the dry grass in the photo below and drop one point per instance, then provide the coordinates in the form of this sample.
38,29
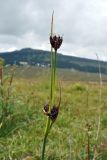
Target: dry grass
21,134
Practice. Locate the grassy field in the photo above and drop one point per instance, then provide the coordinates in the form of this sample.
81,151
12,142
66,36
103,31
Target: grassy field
22,130
31,72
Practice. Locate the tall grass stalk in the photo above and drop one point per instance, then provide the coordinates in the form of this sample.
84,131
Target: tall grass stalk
100,97
100,102
51,63
51,95
52,110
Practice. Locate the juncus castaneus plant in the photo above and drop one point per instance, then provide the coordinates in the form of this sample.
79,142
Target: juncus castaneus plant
51,110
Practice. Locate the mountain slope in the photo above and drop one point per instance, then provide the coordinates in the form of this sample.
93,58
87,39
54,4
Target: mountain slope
34,57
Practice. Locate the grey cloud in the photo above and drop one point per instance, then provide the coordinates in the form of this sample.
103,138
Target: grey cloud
26,23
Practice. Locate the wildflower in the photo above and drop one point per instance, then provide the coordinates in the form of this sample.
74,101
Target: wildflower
53,112
56,42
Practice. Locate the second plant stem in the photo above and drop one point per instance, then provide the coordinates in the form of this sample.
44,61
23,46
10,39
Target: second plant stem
53,80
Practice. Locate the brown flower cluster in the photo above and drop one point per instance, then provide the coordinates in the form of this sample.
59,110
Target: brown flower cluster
53,112
56,42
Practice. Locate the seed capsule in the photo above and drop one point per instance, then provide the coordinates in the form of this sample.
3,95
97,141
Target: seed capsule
56,42
46,109
54,113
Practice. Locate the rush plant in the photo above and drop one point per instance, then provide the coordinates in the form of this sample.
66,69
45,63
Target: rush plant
51,110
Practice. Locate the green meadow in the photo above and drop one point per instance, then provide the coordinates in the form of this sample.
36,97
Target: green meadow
81,124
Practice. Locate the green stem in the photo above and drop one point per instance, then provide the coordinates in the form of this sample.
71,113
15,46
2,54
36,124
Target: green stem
54,68
45,137
51,98
88,147
51,61
44,145
53,77
48,125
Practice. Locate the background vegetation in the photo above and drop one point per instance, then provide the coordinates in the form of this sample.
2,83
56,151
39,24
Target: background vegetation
21,132
42,58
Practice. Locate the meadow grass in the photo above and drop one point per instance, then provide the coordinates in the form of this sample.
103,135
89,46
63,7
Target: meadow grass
21,133
33,72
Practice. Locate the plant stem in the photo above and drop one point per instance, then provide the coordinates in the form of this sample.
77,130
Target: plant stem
88,147
100,102
44,145
45,138
53,77
54,68
100,98
51,98
53,71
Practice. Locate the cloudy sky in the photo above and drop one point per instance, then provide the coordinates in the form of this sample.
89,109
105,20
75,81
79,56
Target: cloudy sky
83,24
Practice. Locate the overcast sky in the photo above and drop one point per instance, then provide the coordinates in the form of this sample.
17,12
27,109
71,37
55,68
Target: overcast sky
83,24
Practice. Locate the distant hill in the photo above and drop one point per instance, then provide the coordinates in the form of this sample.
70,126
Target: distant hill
42,58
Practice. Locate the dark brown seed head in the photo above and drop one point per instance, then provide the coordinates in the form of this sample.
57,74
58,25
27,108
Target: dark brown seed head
54,113
46,109
56,42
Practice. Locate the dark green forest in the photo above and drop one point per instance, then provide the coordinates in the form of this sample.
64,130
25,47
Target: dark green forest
42,58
